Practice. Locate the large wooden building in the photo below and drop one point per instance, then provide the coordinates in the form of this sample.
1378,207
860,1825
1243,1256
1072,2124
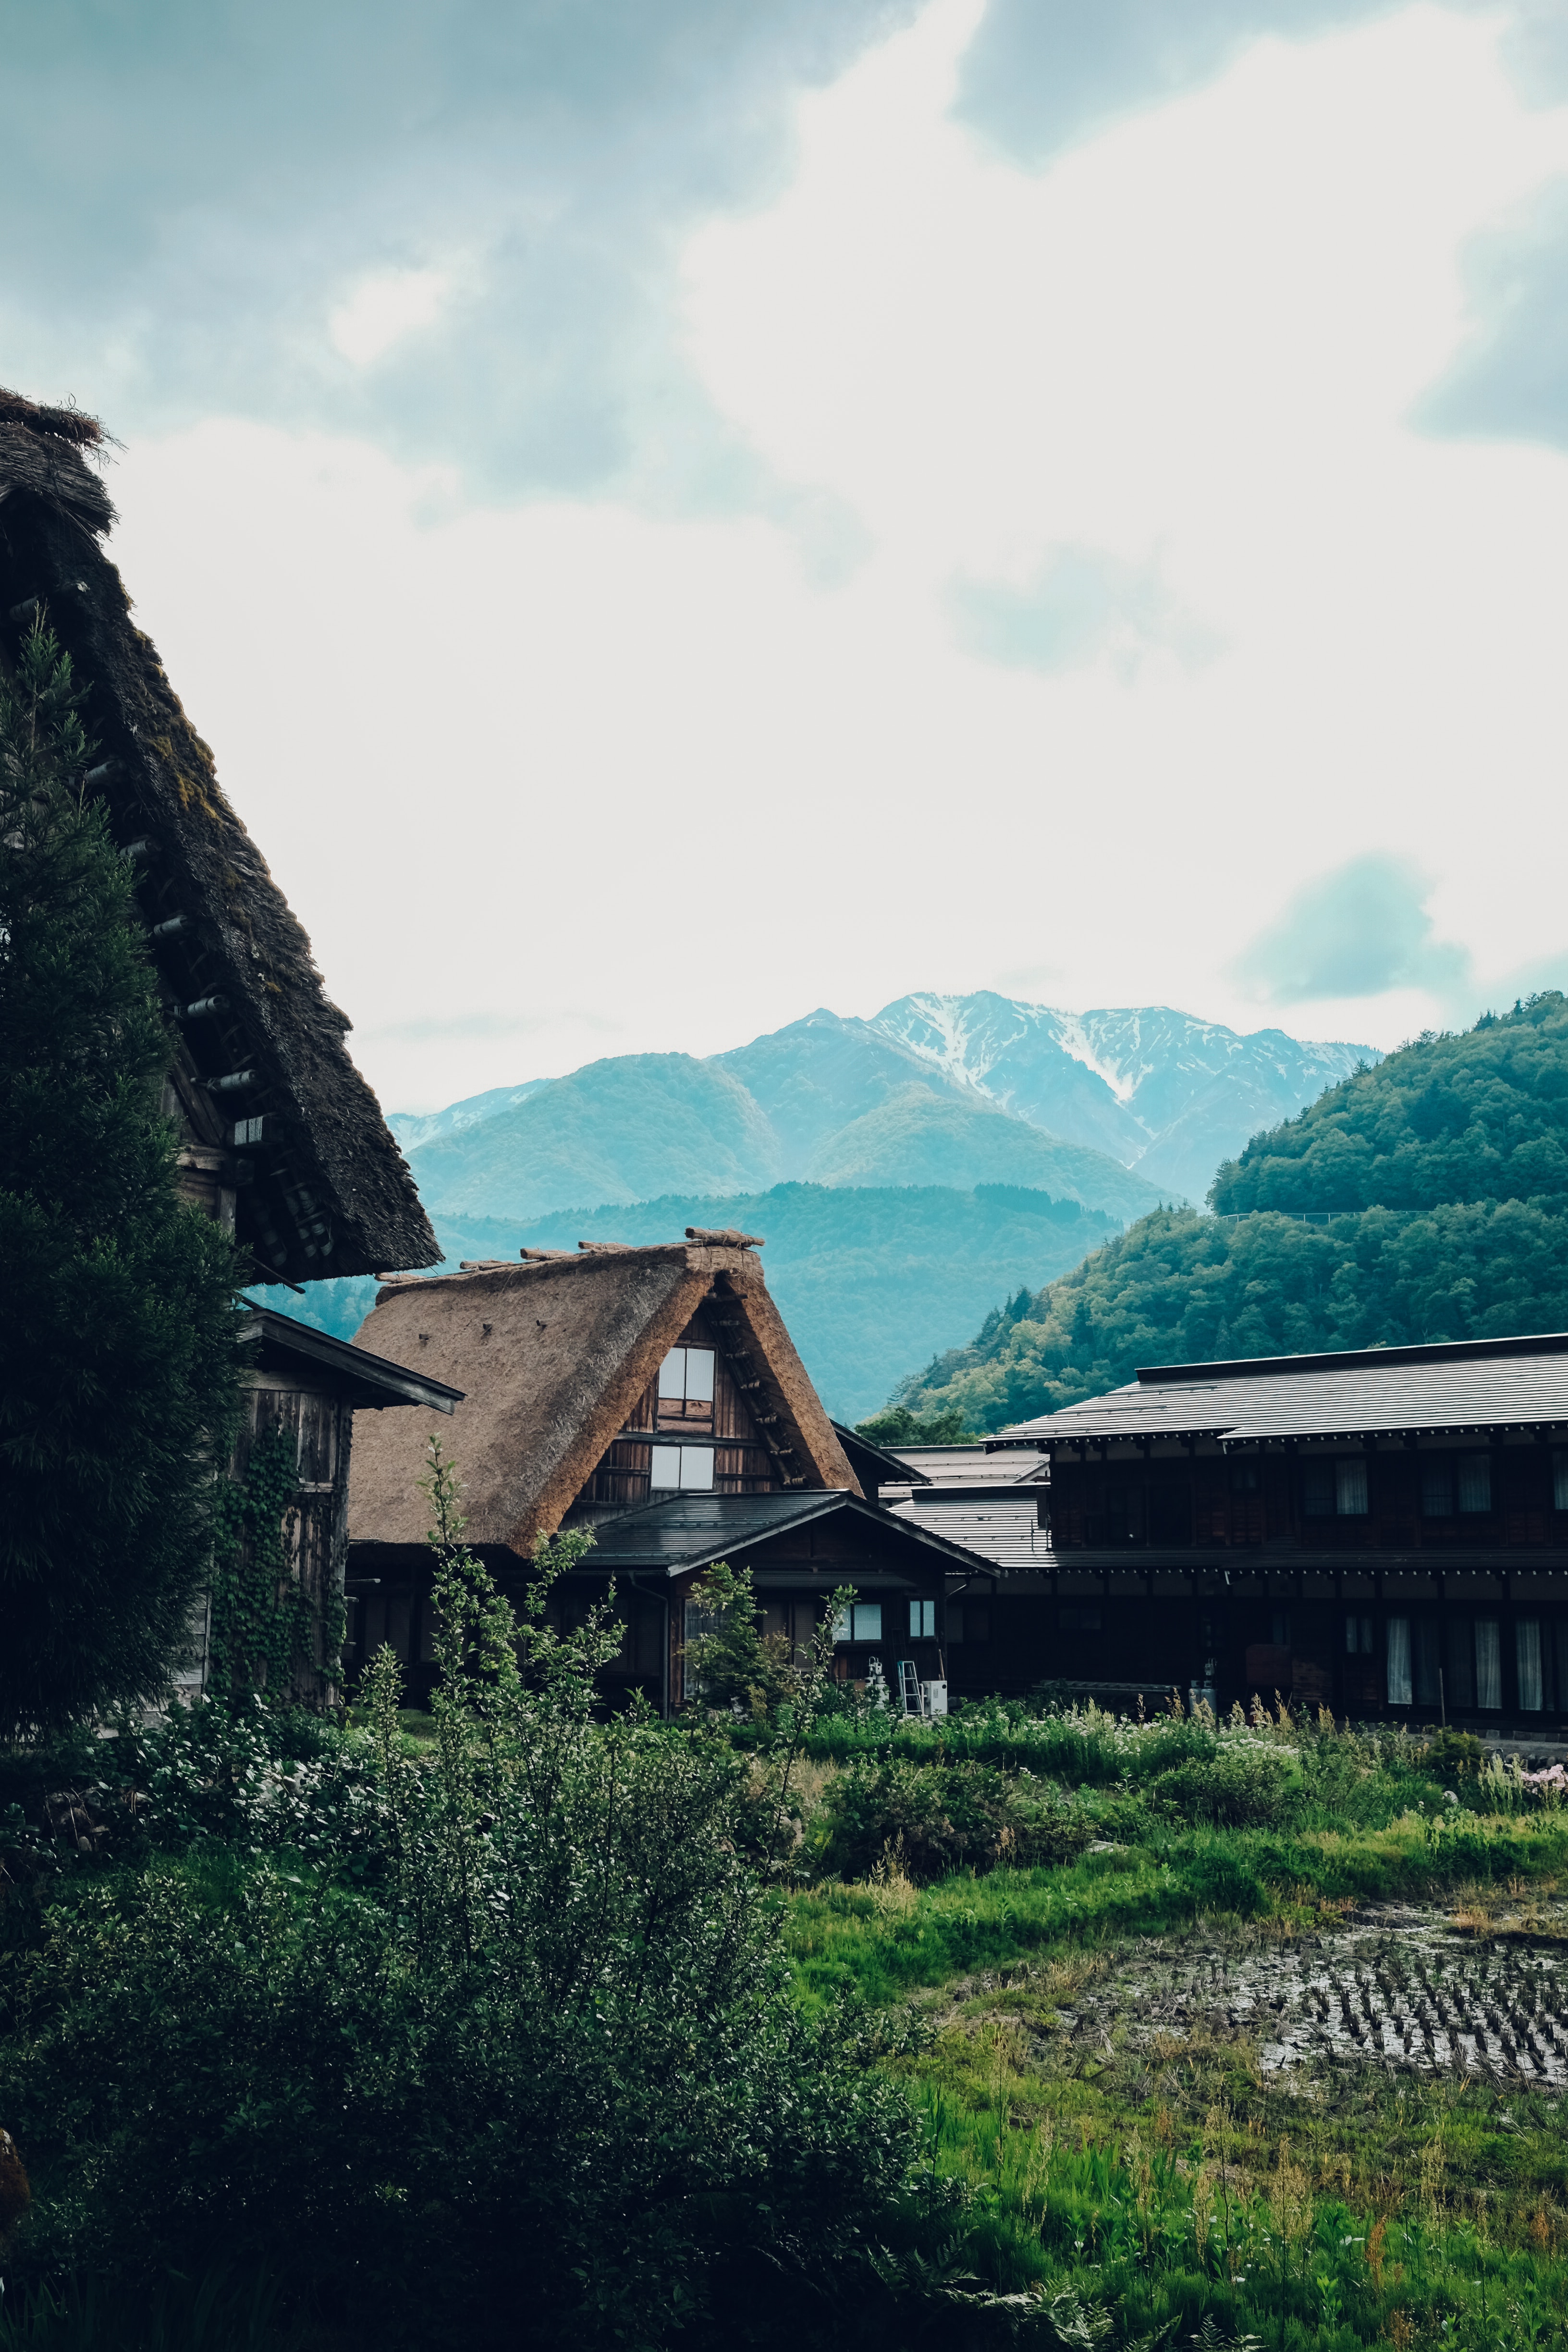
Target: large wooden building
653,1396
1385,1532
280,1138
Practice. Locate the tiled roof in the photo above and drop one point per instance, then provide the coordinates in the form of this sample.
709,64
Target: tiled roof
1002,1528
970,1466
694,1530
1469,1386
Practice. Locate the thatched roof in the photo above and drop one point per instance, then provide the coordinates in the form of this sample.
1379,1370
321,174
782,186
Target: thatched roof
329,1193
553,1356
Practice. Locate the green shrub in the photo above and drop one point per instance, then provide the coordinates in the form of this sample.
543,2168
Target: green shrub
938,1818
1453,1754
1246,1784
532,2067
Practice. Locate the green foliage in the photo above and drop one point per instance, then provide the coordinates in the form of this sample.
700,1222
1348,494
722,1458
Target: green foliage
1246,1784
118,1373
513,2036
1462,1144
1478,1117
897,1425
262,1624
925,1820
1182,1288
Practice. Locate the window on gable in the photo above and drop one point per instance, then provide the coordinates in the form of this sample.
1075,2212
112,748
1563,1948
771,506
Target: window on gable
686,1375
685,1468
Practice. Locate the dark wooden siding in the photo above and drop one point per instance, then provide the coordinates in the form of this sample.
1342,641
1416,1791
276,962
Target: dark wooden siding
741,1464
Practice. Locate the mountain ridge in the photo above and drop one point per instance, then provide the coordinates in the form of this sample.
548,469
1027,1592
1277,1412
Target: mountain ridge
1116,1108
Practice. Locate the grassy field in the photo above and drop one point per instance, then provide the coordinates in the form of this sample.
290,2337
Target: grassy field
1097,2047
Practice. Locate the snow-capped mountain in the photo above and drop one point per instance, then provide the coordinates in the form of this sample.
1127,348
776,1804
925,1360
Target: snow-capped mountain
1162,1092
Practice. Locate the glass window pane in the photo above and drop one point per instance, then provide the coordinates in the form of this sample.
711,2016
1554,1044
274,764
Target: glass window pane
1489,1662
1398,1635
698,1374
1475,1481
1350,1487
673,1374
841,1626
867,1621
1559,1477
1436,1486
922,1620
1318,1489
696,1465
665,1467
1527,1653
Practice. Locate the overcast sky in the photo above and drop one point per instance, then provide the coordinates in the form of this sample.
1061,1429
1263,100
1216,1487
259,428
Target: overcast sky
673,512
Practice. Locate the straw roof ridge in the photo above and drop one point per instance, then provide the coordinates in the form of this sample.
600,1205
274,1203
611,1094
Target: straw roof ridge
67,424
332,1193
552,1357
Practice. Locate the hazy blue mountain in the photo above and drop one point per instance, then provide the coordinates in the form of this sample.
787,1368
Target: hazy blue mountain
959,1140
620,1129
1165,1094
1154,1090
867,1281
813,1077
413,1128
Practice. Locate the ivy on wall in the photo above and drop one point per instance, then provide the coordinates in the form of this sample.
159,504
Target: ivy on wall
262,1616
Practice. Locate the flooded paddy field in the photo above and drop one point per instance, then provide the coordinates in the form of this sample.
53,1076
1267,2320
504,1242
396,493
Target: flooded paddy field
1397,1989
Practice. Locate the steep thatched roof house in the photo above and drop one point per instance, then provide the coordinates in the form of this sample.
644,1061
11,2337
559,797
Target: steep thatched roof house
280,1137
283,1140
653,1395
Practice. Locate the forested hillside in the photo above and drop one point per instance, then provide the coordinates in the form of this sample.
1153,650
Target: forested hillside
1459,1140
864,1277
1478,1117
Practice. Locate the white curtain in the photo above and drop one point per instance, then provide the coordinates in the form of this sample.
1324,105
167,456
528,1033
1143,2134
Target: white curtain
1350,1482
1527,1651
1489,1662
1398,1640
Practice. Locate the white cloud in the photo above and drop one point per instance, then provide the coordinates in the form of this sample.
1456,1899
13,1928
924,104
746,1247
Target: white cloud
631,783
386,307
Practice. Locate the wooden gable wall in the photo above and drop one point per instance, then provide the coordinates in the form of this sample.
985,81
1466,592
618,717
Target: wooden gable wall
743,1462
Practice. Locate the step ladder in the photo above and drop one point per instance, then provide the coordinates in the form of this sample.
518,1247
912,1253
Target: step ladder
911,1691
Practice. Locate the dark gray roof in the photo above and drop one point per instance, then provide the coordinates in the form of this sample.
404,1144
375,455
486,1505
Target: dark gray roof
1468,1386
694,1530
873,1465
277,1343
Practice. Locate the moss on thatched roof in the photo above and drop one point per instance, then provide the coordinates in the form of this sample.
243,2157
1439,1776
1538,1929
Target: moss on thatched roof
553,1356
327,1191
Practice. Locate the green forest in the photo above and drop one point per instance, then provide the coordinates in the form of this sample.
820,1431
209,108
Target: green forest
1424,1200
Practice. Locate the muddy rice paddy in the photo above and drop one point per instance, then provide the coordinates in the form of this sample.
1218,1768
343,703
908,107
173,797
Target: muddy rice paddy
1396,1989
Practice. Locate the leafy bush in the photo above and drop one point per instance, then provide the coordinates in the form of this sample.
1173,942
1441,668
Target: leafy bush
937,1818
1454,1755
538,2066
1246,1784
